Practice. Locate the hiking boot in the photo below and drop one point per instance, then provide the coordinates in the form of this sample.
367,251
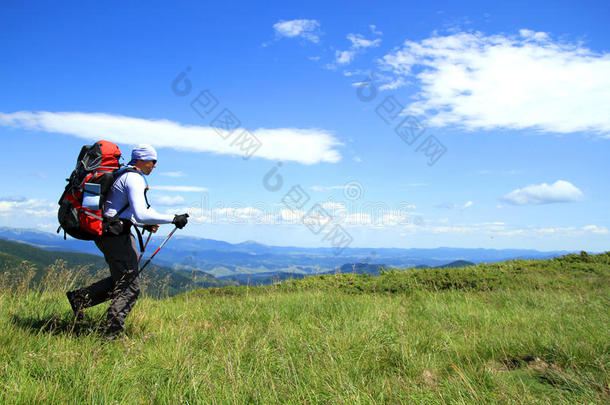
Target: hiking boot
77,302
113,333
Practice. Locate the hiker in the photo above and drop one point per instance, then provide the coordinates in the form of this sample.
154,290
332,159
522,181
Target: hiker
127,198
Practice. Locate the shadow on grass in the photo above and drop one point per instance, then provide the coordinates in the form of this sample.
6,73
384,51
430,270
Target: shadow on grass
59,324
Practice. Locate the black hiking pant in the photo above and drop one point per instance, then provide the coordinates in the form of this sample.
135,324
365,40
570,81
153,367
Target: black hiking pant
123,285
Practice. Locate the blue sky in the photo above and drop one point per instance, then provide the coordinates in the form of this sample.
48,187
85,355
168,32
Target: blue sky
503,111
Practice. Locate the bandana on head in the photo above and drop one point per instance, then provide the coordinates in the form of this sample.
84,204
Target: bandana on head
143,152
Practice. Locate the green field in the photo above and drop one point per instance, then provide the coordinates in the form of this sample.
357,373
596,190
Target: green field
515,332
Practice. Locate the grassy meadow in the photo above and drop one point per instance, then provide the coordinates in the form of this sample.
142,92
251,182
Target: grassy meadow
522,332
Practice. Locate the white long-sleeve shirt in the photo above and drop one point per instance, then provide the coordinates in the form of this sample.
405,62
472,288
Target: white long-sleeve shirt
129,187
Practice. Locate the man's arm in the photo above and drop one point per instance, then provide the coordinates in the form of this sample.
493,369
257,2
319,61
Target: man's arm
142,215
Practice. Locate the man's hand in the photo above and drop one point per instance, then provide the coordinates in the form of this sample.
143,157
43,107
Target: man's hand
180,220
151,228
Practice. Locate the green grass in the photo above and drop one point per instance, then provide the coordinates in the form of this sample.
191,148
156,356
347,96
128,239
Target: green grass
515,332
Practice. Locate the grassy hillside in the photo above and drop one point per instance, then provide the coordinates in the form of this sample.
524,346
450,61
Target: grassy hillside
516,332
23,263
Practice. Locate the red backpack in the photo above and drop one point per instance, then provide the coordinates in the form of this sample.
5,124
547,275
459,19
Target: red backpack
91,180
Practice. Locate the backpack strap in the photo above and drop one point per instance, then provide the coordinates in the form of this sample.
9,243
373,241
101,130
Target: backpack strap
140,241
127,169
119,212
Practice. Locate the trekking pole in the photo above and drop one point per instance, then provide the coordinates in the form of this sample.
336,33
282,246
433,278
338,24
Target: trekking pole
157,251
146,244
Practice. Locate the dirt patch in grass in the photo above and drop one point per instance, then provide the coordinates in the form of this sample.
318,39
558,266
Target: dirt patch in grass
530,362
428,377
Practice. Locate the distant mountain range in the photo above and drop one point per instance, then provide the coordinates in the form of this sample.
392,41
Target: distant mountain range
159,280
255,262
375,269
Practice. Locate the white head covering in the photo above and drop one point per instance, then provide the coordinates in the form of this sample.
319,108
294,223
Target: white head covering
143,152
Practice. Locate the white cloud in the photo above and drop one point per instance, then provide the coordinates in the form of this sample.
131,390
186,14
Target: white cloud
395,217
334,208
307,29
393,85
596,229
374,30
326,188
357,218
349,73
460,207
240,215
236,215
13,198
375,215
502,229
168,201
560,191
358,44
17,206
516,82
184,189
344,57
306,146
291,216
563,231
173,174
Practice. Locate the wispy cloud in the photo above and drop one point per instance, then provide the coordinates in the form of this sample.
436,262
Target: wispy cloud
306,29
452,206
184,189
500,229
14,206
374,30
566,231
601,230
13,199
173,174
499,81
326,188
559,192
393,85
344,57
168,201
358,44
371,216
306,146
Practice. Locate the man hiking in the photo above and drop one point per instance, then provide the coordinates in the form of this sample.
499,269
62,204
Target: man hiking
126,205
